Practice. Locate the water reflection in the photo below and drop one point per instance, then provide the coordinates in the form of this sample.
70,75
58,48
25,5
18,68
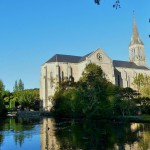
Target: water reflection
14,132
95,135
56,134
48,138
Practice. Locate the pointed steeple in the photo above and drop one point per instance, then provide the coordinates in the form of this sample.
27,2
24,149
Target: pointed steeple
135,39
136,47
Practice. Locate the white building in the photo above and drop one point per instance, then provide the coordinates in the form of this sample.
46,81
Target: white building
62,67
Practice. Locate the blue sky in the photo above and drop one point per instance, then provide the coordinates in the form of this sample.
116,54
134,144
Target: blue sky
32,31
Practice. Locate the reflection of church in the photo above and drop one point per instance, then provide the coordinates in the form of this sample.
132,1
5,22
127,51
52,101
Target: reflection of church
48,139
66,67
132,136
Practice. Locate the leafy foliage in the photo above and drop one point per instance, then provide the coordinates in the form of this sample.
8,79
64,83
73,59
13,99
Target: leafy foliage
2,87
19,99
2,104
142,83
19,86
93,97
28,98
125,103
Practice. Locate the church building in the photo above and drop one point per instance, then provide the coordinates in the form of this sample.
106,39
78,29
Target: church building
121,73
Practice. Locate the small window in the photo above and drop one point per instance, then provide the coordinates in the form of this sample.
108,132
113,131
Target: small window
118,80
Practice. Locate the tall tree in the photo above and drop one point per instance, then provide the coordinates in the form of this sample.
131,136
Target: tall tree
2,106
20,85
2,87
125,102
142,84
89,97
16,86
138,81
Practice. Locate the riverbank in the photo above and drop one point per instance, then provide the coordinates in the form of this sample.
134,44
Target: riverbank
36,114
28,114
136,119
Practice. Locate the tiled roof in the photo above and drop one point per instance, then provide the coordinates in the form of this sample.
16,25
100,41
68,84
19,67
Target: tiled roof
127,64
64,58
67,58
77,59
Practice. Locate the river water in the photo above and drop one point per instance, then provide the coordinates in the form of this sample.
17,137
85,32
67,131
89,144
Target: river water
56,134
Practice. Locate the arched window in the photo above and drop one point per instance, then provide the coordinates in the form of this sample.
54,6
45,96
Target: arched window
118,80
69,71
58,73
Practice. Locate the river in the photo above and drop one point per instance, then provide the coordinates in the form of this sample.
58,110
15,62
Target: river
56,134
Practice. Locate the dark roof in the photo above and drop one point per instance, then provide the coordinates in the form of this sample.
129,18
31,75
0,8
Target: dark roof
64,58
127,64
84,57
67,58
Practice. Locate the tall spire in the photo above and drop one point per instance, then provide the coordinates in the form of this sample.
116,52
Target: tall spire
135,39
136,47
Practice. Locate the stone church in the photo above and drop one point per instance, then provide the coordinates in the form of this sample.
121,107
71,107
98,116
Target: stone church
121,73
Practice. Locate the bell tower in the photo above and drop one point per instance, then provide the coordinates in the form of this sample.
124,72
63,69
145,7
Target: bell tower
136,47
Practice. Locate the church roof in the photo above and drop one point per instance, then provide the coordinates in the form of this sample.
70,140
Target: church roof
67,58
127,64
84,57
135,35
64,58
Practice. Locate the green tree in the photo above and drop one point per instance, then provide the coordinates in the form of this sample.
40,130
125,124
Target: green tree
9,99
89,97
20,85
125,103
2,87
2,104
28,98
93,87
145,105
16,86
138,81
142,83
145,91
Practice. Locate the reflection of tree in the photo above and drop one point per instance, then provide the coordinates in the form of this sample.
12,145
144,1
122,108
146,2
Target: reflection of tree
145,141
19,127
1,139
19,139
96,135
126,135
1,135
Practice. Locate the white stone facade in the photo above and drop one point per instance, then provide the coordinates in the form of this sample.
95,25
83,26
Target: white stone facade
121,73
